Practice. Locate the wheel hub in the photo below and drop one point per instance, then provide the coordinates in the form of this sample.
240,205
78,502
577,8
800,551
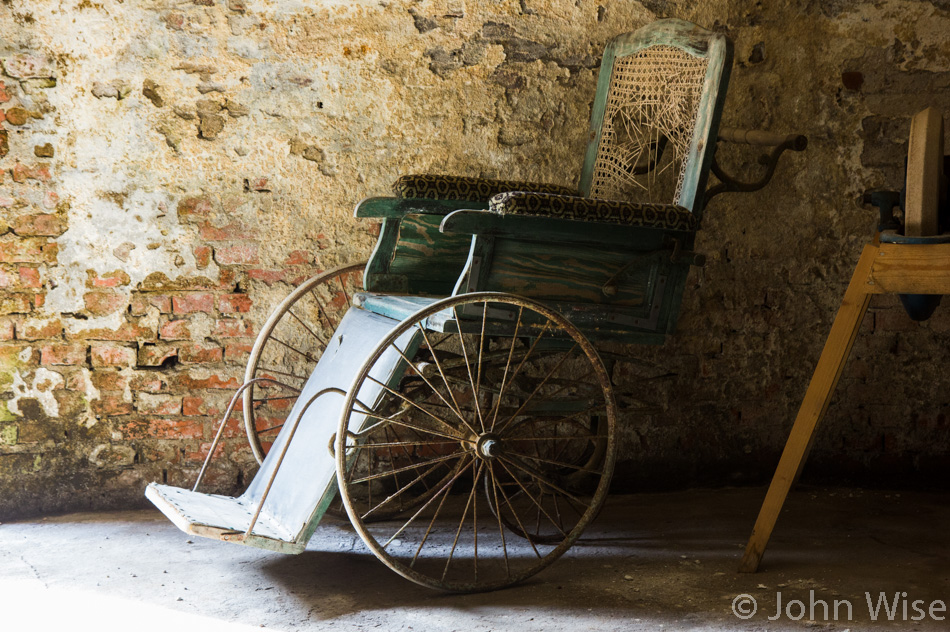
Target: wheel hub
488,446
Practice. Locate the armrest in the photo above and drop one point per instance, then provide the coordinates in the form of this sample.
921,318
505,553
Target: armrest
553,230
391,207
442,187
663,216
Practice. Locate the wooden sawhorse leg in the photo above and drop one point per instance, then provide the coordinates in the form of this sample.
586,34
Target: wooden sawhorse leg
817,397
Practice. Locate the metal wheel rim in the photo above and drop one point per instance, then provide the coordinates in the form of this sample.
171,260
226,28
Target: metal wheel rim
593,507
305,288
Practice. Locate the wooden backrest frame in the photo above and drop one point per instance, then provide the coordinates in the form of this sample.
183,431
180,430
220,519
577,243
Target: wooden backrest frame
699,42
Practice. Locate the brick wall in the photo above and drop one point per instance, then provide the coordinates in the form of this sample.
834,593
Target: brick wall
169,172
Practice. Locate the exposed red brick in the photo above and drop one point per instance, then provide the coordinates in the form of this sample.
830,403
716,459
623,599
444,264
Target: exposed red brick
232,328
29,277
298,257
234,303
101,303
127,332
232,231
146,381
39,300
6,329
63,354
112,355
4,92
39,224
195,208
38,329
267,276
175,330
155,355
196,406
164,429
111,405
29,250
152,404
196,353
22,173
141,303
115,278
237,351
190,382
188,303
202,256
108,380
237,254
202,453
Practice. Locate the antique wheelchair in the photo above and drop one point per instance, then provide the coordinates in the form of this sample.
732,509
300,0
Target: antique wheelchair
453,426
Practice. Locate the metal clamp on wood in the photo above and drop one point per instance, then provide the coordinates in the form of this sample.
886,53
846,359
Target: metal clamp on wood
779,143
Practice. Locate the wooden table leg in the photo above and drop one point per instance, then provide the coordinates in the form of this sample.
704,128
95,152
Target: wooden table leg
817,397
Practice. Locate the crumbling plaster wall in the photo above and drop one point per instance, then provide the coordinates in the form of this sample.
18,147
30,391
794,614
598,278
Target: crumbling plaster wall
172,167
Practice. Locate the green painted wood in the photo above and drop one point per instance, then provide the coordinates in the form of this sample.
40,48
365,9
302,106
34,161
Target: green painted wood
376,277
393,207
569,272
396,307
698,42
557,230
429,260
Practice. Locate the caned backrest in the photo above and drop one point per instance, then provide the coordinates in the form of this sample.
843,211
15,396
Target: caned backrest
656,114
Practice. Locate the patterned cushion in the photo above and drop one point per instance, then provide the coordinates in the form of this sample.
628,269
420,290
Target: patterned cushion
437,187
666,216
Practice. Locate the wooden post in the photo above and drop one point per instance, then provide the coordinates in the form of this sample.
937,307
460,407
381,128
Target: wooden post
815,404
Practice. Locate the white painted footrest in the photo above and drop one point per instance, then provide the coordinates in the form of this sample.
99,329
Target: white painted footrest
221,518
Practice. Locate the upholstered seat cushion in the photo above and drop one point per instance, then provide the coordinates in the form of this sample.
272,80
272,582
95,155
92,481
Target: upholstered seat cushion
665,216
440,187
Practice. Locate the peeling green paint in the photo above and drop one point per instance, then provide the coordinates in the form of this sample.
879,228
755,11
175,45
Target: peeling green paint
36,463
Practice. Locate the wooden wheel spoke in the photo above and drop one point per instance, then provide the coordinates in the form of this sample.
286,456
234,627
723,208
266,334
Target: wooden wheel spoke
414,404
471,381
514,512
446,488
265,369
458,532
517,371
580,468
433,388
294,349
435,357
504,376
441,492
501,528
557,366
323,312
402,489
542,480
541,509
307,327
408,468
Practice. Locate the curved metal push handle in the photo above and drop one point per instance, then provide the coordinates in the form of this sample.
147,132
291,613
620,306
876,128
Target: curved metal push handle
779,144
795,142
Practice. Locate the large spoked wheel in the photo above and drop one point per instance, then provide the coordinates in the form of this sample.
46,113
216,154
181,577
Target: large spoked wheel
493,424
288,347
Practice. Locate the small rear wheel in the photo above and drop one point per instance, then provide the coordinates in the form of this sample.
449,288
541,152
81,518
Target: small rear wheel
497,431
288,347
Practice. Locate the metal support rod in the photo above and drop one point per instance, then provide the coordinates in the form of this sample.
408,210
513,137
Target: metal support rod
283,453
227,415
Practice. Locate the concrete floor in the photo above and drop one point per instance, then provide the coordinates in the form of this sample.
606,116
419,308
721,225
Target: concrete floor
657,561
